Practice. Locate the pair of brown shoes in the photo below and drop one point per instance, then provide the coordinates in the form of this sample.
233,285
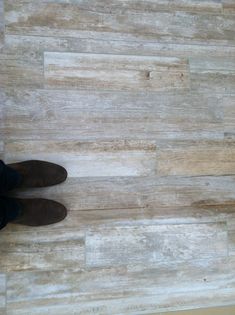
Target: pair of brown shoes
33,174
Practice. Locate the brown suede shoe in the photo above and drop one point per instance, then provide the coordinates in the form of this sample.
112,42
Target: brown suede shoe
36,173
37,212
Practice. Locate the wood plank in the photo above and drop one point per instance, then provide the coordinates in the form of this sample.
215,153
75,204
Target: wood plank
115,72
2,293
229,116
114,246
28,290
32,250
71,20
140,192
228,6
2,24
89,159
195,158
213,74
208,6
78,115
31,47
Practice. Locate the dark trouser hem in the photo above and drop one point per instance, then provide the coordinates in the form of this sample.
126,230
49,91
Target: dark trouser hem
10,209
9,178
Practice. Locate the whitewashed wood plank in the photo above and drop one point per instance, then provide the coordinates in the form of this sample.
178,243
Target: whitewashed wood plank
128,305
72,21
228,6
20,73
195,158
89,159
208,6
116,246
115,72
140,192
32,250
2,24
62,114
2,292
32,289
229,116
31,48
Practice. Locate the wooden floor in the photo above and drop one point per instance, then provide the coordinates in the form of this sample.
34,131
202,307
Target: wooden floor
136,98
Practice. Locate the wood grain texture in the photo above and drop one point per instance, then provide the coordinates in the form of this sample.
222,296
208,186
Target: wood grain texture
115,72
139,192
31,250
96,86
2,24
229,118
3,289
150,244
89,159
68,114
195,158
71,20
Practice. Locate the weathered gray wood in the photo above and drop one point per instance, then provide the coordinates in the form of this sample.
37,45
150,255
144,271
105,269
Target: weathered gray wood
195,158
28,290
32,250
89,159
62,114
114,246
229,116
228,6
139,192
2,293
2,24
71,20
115,72
31,48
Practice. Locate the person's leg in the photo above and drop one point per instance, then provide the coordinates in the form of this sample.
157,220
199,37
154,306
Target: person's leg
9,178
10,209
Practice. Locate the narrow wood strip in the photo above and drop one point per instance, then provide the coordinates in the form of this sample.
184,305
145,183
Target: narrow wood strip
71,20
195,158
2,24
140,192
31,47
229,116
115,72
78,115
2,293
83,159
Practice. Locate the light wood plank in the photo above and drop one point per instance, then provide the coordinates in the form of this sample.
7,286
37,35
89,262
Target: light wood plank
150,244
228,6
130,305
89,159
31,48
229,116
32,250
196,158
215,75
2,24
139,192
78,115
73,21
115,72
2,293
34,289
